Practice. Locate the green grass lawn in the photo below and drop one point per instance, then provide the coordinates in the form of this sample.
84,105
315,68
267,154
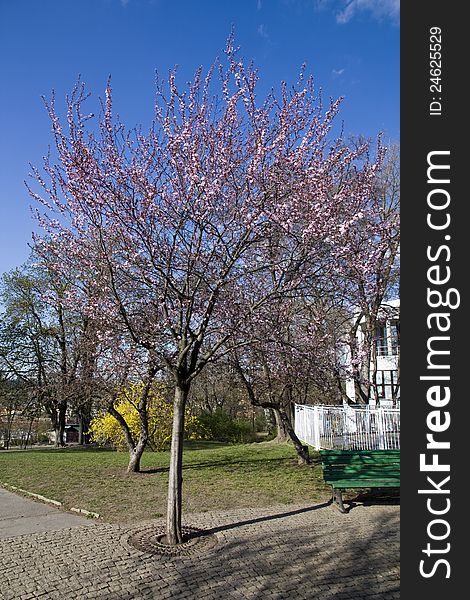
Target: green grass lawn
216,476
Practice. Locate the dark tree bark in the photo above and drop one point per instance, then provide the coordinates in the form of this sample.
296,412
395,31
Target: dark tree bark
57,415
303,457
84,419
282,435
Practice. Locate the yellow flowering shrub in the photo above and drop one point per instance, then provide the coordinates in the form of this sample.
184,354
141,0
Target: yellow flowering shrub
105,429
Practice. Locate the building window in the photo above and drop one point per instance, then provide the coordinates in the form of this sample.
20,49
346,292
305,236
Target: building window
388,386
381,340
394,337
387,339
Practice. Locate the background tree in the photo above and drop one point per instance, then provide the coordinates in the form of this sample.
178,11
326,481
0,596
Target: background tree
138,396
368,267
27,351
47,344
106,429
286,362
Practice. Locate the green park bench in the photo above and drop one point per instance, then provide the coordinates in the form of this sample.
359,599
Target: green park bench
344,469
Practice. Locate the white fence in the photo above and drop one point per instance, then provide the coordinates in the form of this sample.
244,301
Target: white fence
345,427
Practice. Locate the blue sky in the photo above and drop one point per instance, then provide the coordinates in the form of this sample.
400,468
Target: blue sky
350,46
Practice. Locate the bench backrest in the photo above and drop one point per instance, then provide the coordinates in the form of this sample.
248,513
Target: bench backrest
360,464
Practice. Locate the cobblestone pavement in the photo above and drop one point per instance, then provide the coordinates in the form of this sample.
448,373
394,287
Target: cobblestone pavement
281,553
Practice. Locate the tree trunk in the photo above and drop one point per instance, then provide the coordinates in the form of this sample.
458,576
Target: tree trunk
57,414
282,435
84,426
60,426
174,534
270,420
303,457
10,417
135,454
28,435
135,449
81,434
7,439
59,437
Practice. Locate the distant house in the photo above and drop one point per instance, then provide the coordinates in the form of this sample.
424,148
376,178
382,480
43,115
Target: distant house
70,434
385,374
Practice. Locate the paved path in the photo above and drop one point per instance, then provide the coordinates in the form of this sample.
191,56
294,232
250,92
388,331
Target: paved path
281,553
21,516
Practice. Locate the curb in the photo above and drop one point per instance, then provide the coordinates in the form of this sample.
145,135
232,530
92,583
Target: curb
37,496
87,513
49,500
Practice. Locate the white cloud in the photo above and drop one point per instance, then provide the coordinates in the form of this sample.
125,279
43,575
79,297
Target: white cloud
263,31
380,9
338,72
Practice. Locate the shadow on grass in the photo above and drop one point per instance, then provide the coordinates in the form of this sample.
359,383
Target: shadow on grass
64,449
223,462
205,445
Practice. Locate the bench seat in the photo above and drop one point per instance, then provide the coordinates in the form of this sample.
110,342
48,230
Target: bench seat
344,469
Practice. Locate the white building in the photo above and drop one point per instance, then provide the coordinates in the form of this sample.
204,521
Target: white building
387,352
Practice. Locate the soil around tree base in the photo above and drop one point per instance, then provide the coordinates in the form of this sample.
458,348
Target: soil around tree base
153,540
